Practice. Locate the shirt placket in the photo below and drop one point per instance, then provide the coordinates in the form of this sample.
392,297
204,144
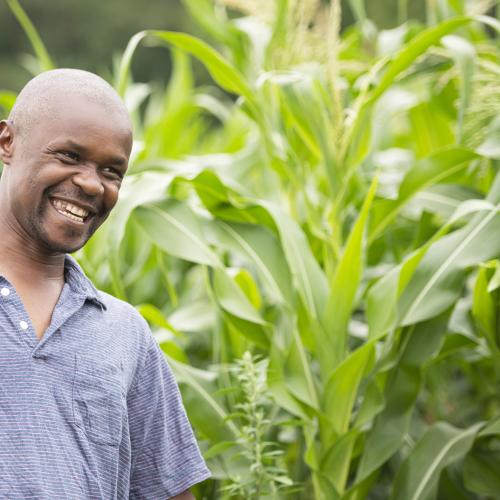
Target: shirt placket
16,313
67,305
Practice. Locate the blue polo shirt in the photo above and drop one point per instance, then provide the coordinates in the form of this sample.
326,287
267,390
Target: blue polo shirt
91,411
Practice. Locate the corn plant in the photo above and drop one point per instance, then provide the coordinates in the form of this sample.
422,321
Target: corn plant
331,204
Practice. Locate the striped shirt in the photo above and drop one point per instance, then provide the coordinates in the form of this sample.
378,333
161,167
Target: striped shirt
90,411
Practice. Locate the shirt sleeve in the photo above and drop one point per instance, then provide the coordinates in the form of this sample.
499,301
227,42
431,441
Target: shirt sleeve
166,459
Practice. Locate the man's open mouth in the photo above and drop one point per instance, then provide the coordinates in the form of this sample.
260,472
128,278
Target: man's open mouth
70,210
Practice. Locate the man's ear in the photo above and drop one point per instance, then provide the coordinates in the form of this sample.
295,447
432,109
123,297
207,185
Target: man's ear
6,141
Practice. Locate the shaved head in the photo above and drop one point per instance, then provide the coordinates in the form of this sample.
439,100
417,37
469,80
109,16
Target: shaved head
39,97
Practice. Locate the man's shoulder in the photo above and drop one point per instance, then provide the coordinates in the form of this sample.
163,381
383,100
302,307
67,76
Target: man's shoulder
123,334
118,306
81,284
122,313
118,320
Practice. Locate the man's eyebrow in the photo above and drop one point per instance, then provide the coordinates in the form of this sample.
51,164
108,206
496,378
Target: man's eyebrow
81,149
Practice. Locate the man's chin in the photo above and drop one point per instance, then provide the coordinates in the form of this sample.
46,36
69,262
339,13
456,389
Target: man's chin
59,247
57,238
65,243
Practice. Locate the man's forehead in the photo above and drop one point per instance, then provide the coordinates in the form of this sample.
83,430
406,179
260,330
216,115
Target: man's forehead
59,94
75,116
75,105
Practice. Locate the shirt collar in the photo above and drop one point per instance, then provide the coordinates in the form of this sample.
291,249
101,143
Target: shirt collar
79,283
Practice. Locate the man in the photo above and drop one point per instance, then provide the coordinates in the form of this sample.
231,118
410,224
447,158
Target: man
88,407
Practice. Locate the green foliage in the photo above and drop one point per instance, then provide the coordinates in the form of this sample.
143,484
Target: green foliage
267,478
41,53
330,205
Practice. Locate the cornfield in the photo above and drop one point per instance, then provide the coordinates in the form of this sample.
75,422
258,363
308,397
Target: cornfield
314,238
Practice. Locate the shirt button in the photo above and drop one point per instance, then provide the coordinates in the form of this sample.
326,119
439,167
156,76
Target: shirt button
23,325
5,292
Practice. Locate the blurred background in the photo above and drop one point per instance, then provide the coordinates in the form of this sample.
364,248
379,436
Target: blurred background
90,35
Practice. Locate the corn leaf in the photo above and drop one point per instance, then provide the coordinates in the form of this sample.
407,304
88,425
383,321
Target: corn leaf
44,60
441,445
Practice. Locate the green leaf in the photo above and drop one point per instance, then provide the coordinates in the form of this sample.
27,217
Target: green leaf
156,317
305,107
441,445
123,74
278,387
226,203
172,350
491,22
372,404
464,55
205,411
413,49
226,75
481,472
218,449
217,26
339,398
490,148
232,299
492,428
297,372
443,199
399,63
343,290
248,285
358,9
135,191
195,316
382,298
307,275
392,423
438,168
434,131
438,280
256,333
263,252
175,110
335,464
177,231
420,343
42,55
7,100
342,387
484,306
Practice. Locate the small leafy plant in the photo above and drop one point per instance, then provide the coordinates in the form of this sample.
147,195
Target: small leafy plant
267,476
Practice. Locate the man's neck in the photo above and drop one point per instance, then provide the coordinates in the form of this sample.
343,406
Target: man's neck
22,261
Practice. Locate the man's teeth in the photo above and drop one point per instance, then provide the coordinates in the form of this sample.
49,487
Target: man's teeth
71,211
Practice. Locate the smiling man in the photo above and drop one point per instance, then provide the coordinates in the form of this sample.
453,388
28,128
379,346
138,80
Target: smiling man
89,409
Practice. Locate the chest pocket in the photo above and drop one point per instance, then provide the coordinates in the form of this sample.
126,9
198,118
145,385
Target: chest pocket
98,401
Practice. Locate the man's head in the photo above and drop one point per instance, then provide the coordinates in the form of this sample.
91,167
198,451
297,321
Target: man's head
65,149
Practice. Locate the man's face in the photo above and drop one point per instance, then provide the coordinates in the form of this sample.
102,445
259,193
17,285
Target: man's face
65,174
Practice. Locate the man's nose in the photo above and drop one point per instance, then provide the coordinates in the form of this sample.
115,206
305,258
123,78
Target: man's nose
89,182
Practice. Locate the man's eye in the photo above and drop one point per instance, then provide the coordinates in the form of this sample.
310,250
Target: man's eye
69,156
113,173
